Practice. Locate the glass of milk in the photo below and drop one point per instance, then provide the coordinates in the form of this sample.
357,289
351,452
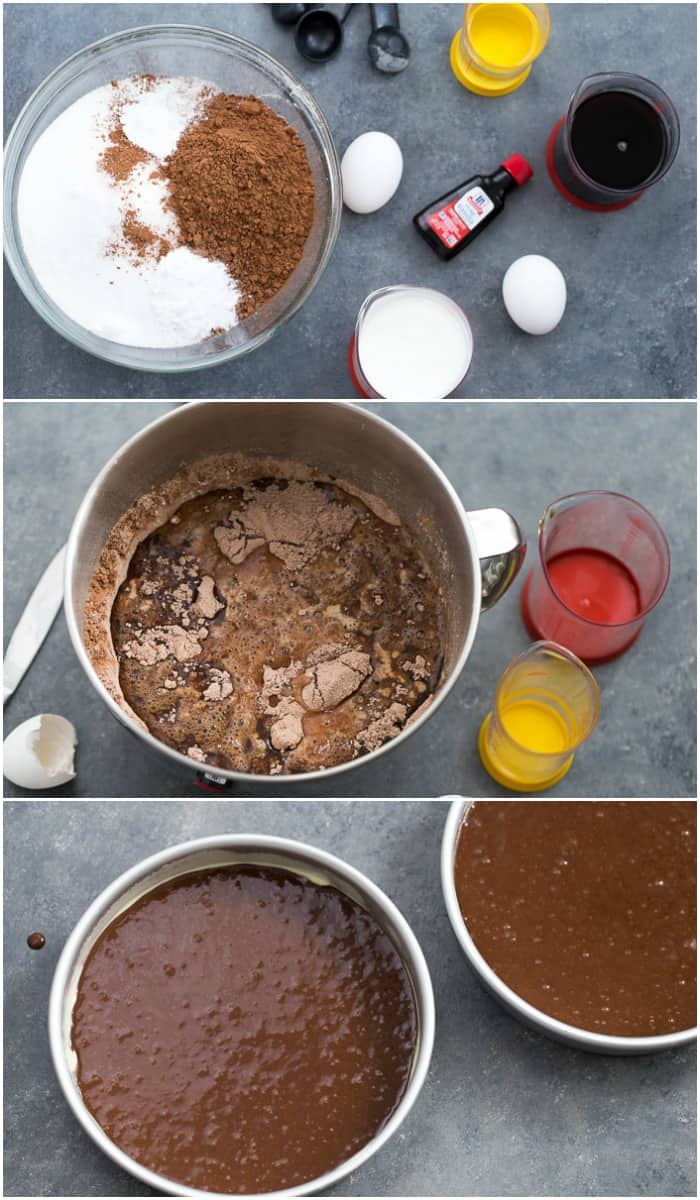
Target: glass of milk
410,343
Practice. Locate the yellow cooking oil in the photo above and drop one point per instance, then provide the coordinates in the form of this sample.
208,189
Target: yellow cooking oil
503,35
529,739
547,704
536,727
492,54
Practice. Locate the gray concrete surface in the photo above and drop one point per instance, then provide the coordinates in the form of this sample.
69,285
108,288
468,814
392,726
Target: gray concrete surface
516,456
504,1111
629,330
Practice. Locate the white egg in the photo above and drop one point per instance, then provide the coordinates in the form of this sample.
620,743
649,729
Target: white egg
534,293
371,168
39,753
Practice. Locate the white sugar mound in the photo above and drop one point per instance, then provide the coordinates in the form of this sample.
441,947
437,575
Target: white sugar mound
71,214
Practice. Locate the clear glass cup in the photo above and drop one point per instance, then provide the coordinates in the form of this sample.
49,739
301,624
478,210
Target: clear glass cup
546,706
492,54
579,186
603,565
234,65
404,349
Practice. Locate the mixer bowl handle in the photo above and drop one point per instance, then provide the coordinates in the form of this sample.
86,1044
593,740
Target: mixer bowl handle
501,548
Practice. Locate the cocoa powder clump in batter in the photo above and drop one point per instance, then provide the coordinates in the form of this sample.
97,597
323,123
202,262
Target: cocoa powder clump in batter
384,727
287,732
207,604
242,190
332,682
220,686
164,641
288,518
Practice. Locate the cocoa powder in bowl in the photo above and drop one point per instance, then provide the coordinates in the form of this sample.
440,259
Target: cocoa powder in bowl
242,191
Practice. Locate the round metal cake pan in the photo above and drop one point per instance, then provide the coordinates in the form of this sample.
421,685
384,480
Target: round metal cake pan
582,1039
323,869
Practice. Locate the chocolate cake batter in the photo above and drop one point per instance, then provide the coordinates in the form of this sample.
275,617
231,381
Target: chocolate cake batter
242,1029
279,626
586,909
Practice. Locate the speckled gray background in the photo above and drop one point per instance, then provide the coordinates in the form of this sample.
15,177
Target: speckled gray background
515,456
503,1112
629,330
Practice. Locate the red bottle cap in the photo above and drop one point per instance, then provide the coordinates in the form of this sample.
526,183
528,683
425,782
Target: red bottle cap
519,168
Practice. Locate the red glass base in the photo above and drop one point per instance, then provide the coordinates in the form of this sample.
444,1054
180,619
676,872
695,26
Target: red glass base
563,191
353,374
538,634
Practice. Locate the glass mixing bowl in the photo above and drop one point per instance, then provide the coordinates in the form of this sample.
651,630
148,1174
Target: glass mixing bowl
234,65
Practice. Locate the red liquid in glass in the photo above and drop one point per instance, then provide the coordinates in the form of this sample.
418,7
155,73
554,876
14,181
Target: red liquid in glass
596,586
591,605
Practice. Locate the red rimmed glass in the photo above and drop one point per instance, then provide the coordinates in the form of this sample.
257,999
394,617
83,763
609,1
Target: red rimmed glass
603,565
401,347
619,136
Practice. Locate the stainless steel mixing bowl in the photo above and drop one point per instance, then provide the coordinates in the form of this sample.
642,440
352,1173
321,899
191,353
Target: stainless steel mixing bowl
475,555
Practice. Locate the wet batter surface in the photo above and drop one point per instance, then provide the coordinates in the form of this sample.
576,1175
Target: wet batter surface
281,626
586,909
242,1029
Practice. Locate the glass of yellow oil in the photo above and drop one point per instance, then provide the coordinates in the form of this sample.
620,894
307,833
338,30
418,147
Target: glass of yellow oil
547,704
492,54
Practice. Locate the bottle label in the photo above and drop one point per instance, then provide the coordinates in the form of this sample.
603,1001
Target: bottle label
456,221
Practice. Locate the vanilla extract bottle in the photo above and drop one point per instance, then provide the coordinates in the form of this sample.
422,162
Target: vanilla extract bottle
452,221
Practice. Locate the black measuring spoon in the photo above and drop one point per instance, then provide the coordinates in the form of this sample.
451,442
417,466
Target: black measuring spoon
288,14
319,33
388,49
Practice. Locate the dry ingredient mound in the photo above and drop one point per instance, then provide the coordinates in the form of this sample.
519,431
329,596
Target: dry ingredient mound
270,623
158,212
242,191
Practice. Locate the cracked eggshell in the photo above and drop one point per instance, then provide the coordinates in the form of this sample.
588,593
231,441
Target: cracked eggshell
40,753
371,168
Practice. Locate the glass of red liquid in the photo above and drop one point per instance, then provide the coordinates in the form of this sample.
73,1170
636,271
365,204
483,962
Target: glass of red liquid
618,137
604,563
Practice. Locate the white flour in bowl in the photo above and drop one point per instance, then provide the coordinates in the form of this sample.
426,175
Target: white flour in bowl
95,223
